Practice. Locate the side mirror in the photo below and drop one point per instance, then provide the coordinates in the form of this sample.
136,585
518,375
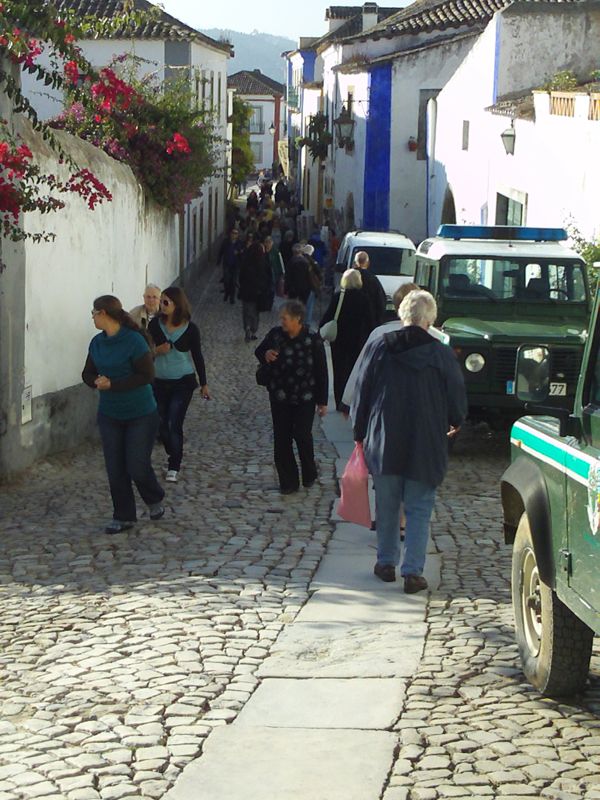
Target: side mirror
532,377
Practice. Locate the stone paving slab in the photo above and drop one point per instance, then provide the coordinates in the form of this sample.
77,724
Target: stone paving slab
354,606
350,538
337,429
247,763
361,704
336,650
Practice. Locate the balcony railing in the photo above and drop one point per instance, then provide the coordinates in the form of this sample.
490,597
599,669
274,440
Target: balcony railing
293,98
256,127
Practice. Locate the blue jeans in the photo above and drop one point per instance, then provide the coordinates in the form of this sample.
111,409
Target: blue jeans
173,399
127,445
391,492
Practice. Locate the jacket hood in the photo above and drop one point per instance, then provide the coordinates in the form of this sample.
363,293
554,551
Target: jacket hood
413,347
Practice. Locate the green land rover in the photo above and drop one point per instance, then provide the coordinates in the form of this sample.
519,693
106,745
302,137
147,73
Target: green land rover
496,289
551,503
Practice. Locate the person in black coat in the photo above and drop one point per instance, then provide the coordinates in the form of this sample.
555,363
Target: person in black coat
355,323
409,397
297,277
253,281
297,384
373,288
229,257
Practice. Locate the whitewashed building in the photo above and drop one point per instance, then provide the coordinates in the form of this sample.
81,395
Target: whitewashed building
548,173
166,47
265,97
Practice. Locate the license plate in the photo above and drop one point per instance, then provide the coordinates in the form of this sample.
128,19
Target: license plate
558,389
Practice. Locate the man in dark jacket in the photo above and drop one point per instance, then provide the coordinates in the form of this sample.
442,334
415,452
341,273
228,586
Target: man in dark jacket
229,257
253,284
297,278
373,288
409,396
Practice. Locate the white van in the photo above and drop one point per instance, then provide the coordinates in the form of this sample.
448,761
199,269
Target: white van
391,256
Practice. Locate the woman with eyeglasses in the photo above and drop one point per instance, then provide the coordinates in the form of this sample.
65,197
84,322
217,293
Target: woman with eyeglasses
120,366
178,360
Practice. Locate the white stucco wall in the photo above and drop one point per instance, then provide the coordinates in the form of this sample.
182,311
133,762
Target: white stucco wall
426,69
349,167
537,40
49,102
555,170
267,107
115,249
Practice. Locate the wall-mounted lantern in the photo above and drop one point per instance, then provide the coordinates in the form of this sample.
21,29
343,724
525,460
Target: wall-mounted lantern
413,144
508,139
272,129
344,125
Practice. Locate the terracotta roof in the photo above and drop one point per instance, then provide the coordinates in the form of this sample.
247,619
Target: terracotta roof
161,26
424,16
353,24
253,82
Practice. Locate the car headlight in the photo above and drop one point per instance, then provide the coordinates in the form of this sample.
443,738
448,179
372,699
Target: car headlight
474,362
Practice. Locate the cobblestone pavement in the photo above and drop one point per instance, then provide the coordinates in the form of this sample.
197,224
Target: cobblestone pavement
119,655
471,725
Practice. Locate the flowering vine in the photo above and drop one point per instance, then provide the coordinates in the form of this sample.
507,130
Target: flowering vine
158,131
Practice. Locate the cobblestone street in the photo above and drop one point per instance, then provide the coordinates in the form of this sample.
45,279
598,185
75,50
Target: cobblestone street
120,655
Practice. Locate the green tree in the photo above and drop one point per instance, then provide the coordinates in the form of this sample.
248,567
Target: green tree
242,157
589,250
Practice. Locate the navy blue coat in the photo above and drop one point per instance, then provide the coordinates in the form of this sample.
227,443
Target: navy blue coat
408,393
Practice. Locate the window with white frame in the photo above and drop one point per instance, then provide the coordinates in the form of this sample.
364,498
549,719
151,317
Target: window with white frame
257,124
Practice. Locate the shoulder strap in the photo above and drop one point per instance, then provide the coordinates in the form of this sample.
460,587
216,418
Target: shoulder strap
339,305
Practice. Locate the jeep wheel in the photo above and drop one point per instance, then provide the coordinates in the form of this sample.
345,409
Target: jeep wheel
555,646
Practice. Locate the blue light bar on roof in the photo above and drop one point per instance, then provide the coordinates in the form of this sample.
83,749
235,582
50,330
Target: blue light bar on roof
502,232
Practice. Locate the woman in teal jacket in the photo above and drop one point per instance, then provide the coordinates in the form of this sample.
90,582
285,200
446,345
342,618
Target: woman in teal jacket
120,366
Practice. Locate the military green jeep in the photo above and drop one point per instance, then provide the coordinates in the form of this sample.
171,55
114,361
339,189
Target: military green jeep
551,503
496,289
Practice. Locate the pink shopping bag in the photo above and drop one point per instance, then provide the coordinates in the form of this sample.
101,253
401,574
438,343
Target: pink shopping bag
354,503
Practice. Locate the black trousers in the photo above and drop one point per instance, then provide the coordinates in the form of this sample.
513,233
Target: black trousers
293,424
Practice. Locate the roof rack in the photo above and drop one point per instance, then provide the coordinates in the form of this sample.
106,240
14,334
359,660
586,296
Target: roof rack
503,232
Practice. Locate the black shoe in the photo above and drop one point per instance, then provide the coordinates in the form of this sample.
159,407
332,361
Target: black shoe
253,338
288,491
310,484
157,511
385,572
118,527
402,532
414,584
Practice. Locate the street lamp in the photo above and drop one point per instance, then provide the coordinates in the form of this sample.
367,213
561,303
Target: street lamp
345,129
508,139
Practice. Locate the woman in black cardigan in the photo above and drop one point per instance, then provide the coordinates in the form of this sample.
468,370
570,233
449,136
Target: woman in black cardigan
297,384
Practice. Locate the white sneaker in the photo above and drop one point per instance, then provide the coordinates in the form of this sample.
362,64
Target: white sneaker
171,476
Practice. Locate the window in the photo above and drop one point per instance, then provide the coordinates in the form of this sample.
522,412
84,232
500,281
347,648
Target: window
425,95
422,274
216,210
257,125
212,90
465,134
220,97
257,152
508,211
201,227
513,279
194,233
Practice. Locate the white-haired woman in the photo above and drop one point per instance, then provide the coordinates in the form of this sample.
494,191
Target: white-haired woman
409,394
355,323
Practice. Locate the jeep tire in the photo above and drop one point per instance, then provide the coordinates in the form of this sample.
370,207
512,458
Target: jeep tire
555,646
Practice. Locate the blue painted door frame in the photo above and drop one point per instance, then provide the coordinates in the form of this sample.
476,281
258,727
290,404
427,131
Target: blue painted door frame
376,204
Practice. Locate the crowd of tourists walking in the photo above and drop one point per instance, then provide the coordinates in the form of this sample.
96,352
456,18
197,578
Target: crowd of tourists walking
396,380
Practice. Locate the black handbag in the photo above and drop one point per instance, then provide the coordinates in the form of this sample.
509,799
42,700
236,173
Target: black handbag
263,374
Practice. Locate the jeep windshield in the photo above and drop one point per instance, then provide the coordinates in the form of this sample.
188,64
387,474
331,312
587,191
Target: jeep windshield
518,280
387,260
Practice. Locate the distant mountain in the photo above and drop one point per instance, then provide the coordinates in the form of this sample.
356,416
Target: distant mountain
256,51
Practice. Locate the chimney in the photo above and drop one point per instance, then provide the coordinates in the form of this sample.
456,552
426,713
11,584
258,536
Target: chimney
335,17
370,15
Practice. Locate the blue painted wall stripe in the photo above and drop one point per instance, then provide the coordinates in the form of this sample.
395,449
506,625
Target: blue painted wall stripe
376,209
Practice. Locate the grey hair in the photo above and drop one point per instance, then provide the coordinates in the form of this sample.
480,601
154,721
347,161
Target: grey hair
293,308
361,259
351,279
153,286
418,308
